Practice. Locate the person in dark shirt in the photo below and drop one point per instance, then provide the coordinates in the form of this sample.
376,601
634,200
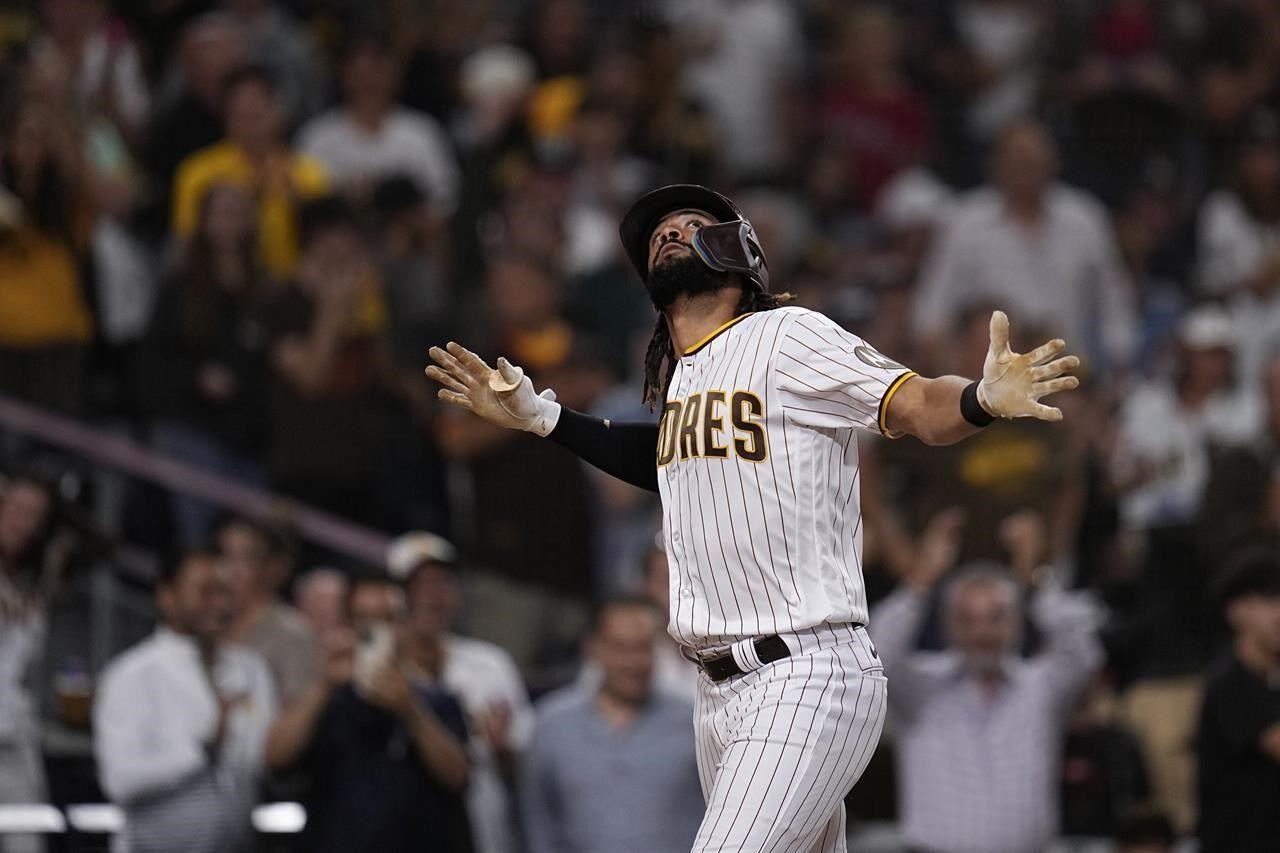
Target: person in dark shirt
204,357
1240,719
334,389
383,747
210,47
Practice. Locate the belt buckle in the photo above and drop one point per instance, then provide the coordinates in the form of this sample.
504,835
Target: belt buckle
707,660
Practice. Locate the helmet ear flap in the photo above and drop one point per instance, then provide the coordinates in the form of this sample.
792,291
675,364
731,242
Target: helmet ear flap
732,247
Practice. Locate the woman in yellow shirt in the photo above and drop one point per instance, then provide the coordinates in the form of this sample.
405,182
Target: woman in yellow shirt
45,323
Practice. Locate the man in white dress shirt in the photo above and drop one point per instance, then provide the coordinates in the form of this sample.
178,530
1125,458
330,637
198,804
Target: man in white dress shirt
1035,246
181,719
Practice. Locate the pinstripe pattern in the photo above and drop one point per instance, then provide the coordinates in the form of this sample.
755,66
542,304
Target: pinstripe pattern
769,545
780,747
766,538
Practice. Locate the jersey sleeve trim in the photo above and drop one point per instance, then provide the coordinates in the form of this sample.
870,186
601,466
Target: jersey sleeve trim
884,403
711,337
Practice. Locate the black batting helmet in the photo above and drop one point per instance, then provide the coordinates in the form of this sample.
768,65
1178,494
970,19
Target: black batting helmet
730,245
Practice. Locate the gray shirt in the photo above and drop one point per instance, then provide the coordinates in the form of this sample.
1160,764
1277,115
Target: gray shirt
979,773
1063,276
590,788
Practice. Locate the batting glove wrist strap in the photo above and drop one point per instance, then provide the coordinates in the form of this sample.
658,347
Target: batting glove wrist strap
971,407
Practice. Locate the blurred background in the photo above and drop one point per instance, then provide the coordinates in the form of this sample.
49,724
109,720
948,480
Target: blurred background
230,229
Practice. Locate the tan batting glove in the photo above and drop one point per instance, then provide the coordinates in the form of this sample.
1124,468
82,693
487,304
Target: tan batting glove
504,396
1012,383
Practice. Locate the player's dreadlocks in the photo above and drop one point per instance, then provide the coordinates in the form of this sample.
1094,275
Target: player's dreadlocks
657,377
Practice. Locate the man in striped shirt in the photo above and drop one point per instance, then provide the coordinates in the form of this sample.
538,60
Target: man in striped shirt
757,465
979,730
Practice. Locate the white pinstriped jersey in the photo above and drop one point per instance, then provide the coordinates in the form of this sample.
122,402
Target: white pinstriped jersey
758,472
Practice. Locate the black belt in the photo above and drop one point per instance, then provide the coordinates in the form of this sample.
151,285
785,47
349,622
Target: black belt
721,665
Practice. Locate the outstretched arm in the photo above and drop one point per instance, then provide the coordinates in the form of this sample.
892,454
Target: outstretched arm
949,408
505,397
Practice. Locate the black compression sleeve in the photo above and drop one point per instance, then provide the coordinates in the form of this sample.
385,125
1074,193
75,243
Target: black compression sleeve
627,451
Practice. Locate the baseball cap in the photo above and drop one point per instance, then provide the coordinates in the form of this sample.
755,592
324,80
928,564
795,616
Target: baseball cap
1207,327
407,552
1256,573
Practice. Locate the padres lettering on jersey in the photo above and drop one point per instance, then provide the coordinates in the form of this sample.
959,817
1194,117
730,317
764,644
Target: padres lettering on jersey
758,472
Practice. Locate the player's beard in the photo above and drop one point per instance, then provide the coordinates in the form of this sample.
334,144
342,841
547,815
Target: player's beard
682,276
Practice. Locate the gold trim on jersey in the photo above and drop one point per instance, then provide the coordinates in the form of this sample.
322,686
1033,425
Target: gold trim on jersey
709,338
884,403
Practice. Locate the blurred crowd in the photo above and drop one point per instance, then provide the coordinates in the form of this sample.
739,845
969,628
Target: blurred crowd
229,229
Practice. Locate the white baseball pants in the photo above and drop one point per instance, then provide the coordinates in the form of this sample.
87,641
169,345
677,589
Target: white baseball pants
779,747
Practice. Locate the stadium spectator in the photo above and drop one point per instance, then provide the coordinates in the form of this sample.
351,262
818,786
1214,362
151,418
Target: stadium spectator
1009,467
274,39
867,111
420,300
992,60
180,721
1239,737
614,768
1162,459
743,63
1239,230
253,155
259,558
1104,776
385,748
189,114
204,360
26,509
333,384
101,61
978,729
481,675
529,591
1161,466
1239,509
321,598
45,322
369,137
1040,249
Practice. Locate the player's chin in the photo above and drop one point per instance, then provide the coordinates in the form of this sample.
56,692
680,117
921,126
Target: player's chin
666,258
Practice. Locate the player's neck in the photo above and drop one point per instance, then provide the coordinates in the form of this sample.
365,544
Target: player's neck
692,318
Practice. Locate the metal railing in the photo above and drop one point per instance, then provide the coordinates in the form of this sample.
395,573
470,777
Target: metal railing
129,457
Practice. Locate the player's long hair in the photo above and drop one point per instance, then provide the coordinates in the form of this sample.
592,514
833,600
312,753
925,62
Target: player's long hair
659,358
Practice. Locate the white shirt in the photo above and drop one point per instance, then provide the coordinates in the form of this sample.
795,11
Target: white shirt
21,641
482,675
1006,38
755,53
1233,245
408,143
758,473
1063,275
1169,444
155,710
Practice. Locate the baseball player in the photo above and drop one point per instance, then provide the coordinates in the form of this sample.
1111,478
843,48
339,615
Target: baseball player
756,463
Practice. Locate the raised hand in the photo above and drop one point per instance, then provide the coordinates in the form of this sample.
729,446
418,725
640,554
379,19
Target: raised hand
1013,383
504,396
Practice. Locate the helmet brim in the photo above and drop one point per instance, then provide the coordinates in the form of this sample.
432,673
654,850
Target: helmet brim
637,226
